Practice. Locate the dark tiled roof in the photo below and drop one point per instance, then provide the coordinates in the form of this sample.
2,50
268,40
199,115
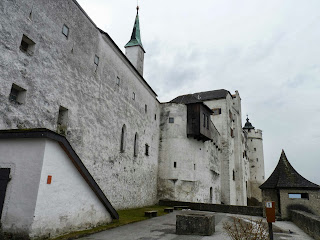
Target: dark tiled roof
201,96
248,125
64,143
285,176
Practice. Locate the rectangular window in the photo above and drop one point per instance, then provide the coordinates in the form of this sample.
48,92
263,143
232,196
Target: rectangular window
65,30
171,120
145,108
62,120
17,94
133,96
118,81
175,164
155,117
147,150
233,175
255,149
299,195
216,111
96,60
27,45
194,166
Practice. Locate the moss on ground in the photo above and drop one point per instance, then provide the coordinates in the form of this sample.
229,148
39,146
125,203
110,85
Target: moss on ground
125,217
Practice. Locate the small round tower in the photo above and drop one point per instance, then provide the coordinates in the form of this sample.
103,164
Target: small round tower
256,161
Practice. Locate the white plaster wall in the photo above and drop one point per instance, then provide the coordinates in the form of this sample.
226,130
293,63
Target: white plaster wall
198,163
223,124
24,157
68,203
62,72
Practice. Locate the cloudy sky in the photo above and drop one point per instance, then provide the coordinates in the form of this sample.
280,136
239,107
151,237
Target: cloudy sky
267,50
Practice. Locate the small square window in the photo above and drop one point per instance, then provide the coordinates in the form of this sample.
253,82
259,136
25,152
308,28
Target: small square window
17,94
65,30
255,149
96,60
216,111
27,45
171,120
133,96
118,81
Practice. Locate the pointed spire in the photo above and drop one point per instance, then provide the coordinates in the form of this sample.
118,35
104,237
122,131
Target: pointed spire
285,176
135,36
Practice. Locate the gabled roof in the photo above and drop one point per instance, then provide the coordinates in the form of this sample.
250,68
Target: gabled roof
201,96
63,142
285,176
135,36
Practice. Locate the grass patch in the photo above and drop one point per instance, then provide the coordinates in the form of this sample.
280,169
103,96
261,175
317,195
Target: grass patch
125,217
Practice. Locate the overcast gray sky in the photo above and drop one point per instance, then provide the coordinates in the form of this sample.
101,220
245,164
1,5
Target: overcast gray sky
267,50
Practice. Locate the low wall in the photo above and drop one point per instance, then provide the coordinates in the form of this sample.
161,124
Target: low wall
307,222
244,210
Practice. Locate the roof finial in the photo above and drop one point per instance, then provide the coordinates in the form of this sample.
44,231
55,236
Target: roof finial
247,118
137,6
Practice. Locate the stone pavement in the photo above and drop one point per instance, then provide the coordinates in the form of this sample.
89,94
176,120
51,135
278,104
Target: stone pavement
163,228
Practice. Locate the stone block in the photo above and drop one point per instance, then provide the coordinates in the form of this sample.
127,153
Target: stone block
195,223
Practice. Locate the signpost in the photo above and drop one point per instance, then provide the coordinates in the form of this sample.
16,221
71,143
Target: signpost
271,216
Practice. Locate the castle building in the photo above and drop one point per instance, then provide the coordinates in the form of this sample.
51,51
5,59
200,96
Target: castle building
74,105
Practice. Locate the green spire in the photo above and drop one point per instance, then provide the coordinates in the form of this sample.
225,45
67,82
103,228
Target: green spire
135,37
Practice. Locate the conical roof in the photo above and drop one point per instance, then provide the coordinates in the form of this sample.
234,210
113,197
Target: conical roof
285,176
248,125
135,36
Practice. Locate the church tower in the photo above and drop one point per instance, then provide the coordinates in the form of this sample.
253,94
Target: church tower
134,49
256,162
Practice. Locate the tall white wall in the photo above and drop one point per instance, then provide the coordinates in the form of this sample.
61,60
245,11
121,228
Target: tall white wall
233,188
197,163
68,203
61,72
136,56
24,157
256,159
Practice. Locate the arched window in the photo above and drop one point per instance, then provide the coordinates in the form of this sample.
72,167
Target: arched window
135,147
123,138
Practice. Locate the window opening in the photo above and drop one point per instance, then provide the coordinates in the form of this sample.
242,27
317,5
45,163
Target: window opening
145,108
155,117
65,30
123,138
194,166
17,94
96,60
233,175
27,45
216,111
147,150
118,81
299,195
175,164
133,96
171,120
135,148
62,120
255,149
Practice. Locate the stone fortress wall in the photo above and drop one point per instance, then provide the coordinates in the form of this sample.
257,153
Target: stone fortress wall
59,76
73,79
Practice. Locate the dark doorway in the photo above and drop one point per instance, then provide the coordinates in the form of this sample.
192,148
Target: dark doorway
4,179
